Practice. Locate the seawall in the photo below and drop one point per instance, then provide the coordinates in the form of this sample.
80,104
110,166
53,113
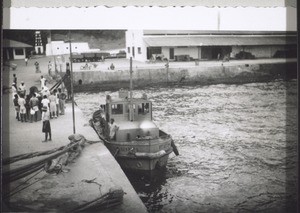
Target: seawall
203,75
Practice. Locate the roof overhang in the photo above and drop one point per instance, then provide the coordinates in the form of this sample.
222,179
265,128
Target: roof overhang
14,44
219,40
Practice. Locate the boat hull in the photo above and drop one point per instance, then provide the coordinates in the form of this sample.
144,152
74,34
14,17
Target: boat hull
143,164
141,155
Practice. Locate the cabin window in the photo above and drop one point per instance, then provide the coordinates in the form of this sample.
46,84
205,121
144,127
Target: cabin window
128,49
117,109
139,50
144,108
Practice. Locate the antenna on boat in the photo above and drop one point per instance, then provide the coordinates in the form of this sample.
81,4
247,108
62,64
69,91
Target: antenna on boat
130,94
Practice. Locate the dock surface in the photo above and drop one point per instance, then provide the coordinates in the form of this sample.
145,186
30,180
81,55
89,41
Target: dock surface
66,190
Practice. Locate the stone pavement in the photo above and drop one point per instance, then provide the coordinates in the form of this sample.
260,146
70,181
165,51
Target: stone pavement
65,190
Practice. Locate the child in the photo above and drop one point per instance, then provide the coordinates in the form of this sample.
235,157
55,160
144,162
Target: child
46,123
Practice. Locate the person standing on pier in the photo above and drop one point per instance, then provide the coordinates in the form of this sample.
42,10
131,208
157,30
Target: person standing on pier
62,97
43,82
22,88
56,101
22,102
15,79
34,104
46,123
14,90
45,91
45,102
27,106
17,106
37,67
52,99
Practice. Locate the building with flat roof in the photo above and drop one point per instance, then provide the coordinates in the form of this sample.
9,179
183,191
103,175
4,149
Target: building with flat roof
61,48
177,45
218,32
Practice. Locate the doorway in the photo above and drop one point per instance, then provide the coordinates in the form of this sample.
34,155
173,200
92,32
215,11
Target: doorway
171,53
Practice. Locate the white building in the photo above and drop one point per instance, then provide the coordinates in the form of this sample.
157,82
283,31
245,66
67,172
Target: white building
61,48
263,32
142,45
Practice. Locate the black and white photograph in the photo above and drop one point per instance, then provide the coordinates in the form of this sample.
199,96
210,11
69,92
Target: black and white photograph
149,108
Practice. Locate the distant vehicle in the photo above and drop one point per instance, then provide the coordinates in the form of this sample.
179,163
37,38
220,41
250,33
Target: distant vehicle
121,54
90,57
244,55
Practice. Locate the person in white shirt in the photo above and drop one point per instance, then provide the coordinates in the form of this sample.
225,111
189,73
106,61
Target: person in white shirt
43,82
52,99
22,102
113,128
14,90
22,88
45,91
45,102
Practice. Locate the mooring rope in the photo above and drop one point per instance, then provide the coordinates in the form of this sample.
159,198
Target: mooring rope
28,169
30,155
11,191
23,171
27,186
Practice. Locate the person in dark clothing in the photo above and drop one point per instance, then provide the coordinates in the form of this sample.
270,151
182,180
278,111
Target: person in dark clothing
15,79
27,106
17,107
46,123
34,105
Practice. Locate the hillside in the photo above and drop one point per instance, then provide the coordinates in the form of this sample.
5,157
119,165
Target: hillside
103,39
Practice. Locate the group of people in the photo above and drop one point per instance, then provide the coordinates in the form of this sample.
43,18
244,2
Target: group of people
38,105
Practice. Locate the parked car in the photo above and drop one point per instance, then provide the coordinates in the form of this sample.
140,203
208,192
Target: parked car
244,55
121,54
182,58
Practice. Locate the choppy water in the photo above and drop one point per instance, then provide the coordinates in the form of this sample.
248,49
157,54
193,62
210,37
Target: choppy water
237,144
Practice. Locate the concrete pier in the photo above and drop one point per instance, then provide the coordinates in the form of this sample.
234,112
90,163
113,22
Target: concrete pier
67,190
182,73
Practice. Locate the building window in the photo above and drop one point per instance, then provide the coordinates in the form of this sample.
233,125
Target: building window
75,47
57,48
143,108
67,48
139,50
127,108
19,51
128,49
117,109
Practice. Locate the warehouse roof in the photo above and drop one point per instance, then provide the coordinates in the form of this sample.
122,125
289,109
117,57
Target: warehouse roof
218,40
14,44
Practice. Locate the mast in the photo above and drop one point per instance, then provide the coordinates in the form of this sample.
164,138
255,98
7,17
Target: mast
72,93
130,95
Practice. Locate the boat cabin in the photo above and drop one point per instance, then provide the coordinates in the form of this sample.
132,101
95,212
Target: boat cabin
132,116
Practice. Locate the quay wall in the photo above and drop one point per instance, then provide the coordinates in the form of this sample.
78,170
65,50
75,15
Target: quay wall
239,73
